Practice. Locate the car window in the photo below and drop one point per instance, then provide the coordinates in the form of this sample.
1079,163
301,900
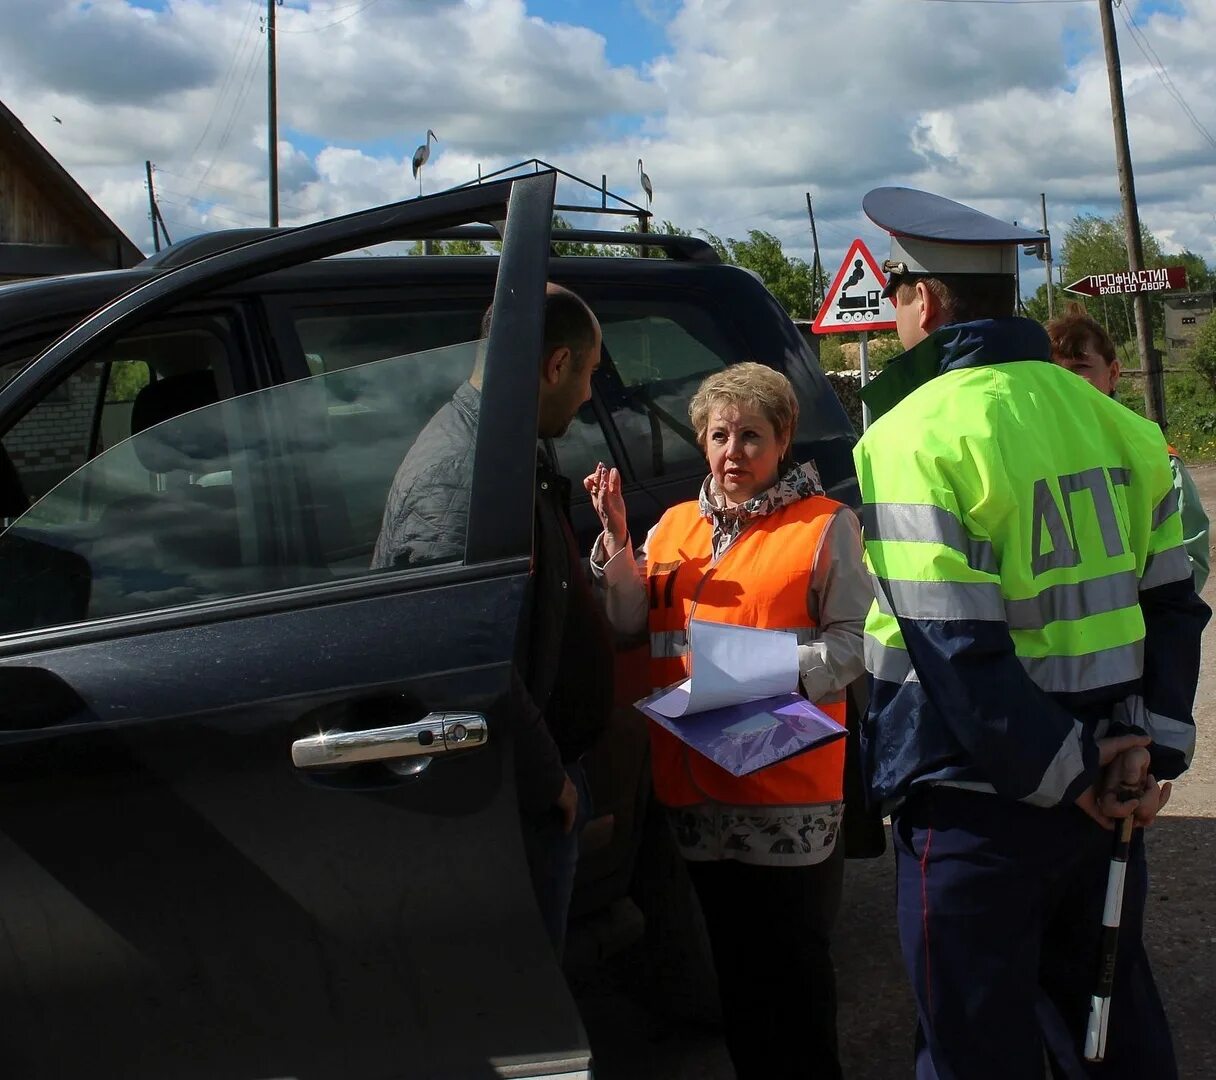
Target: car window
334,338
660,352
265,491
135,383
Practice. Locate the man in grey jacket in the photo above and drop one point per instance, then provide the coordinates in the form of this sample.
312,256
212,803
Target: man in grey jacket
563,699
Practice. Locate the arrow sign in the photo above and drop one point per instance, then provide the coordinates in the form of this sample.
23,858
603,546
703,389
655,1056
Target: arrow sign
855,302
1130,281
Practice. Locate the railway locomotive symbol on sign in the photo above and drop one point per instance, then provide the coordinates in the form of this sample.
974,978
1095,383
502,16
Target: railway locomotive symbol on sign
855,301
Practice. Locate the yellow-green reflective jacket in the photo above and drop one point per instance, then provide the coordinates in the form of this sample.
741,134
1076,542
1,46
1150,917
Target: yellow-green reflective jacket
1032,589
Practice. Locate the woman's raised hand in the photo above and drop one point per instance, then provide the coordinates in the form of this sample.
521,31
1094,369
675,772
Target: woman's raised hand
604,487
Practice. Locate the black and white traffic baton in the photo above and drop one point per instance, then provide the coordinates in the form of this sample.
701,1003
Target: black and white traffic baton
1099,1005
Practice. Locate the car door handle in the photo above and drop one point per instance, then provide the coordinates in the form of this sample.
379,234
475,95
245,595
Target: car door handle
435,733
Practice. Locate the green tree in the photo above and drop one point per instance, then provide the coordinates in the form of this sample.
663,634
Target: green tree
1199,276
788,278
450,247
1097,245
1036,306
1203,351
630,252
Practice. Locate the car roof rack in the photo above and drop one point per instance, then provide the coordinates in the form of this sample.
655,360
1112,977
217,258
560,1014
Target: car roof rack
678,248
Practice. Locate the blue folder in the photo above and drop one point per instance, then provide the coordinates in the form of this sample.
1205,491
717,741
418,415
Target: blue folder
743,739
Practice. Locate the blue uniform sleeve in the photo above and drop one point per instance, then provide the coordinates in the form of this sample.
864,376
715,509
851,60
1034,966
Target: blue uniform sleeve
1174,618
1025,744
1195,526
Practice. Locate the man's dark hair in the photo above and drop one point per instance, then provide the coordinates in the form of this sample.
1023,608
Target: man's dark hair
964,297
569,322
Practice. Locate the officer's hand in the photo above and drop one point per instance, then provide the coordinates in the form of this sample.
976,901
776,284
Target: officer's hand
1123,758
1152,801
567,805
1111,748
1104,809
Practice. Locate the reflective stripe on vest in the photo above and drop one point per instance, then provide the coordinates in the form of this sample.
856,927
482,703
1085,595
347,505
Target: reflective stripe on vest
1053,674
761,580
1165,730
1164,567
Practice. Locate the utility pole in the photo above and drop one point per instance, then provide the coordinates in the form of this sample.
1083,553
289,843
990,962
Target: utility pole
273,110
1017,282
1150,362
152,207
1046,253
817,268
154,211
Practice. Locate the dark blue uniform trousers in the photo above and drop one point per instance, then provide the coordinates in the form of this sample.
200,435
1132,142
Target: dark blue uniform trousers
1000,915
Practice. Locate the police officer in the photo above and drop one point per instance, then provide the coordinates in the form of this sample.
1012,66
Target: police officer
1035,624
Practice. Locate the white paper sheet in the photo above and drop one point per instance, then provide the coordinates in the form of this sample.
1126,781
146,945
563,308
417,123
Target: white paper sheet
730,665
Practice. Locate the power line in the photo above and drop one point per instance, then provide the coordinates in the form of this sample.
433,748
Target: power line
242,94
1009,2
255,218
248,34
226,190
1155,62
237,209
326,26
331,8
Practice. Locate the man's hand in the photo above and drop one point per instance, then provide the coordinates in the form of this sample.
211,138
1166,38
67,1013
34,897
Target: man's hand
1111,748
1152,801
604,487
1102,801
567,805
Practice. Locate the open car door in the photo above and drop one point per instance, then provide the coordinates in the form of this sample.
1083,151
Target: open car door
257,810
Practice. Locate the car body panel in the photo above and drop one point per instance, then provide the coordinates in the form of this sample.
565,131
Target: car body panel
182,900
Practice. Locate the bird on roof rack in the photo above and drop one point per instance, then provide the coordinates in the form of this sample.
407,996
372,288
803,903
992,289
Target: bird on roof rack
422,155
646,184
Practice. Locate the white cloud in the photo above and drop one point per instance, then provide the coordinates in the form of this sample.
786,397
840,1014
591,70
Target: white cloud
752,104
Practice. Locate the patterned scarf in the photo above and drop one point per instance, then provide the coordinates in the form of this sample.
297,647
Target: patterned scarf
799,482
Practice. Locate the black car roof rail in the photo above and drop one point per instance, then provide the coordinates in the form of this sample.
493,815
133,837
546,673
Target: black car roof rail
677,248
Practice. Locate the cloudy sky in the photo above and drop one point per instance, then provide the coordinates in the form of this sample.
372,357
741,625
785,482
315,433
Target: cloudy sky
738,107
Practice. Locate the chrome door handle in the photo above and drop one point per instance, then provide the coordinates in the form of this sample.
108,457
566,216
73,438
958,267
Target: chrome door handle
435,733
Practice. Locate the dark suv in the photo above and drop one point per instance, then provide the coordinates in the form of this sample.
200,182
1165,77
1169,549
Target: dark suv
256,811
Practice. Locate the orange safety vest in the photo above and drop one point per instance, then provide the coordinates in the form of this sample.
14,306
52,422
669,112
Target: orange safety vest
762,580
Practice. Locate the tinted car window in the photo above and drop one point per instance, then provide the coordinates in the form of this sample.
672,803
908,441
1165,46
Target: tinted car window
110,398
266,491
660,351
336,338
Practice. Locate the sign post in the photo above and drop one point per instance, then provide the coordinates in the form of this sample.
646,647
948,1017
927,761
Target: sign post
855,304
864,350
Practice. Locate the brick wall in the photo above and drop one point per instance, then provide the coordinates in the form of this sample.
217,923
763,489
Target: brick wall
52,440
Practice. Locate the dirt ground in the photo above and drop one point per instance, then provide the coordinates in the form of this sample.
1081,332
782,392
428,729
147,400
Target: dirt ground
631,1043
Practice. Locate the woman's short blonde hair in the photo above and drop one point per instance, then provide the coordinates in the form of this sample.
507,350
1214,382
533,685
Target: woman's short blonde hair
749,385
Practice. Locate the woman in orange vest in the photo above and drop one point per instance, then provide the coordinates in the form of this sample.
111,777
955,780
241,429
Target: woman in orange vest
762,546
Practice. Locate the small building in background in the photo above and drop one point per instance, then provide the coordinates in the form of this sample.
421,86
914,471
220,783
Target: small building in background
1185,313
48,223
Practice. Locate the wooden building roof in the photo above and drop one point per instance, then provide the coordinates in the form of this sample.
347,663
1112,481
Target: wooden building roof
48,223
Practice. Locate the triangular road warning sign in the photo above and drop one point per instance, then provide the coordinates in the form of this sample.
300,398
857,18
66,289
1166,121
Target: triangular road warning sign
855,302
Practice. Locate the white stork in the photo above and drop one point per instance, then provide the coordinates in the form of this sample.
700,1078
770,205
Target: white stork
646,184
422,156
